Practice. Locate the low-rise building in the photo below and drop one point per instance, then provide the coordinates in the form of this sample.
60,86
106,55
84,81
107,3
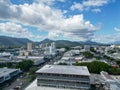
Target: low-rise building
36,59
111,83
7,74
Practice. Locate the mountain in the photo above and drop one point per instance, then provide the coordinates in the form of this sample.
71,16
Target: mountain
47,41
116,42
89,43
66,43
12,41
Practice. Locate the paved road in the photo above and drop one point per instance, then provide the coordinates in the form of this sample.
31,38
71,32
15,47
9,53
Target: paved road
19,82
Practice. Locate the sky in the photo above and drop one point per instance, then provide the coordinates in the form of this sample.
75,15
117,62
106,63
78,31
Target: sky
74,20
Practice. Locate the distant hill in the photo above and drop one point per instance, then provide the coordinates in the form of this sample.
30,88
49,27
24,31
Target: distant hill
66,43
12,41
116,42
90,43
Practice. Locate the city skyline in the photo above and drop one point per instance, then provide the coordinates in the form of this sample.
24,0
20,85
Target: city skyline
95,20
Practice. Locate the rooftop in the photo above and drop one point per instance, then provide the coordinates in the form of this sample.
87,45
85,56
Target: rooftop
106,75
6,71
64,69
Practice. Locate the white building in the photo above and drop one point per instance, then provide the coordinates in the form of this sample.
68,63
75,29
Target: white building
36,59
50,50
62,76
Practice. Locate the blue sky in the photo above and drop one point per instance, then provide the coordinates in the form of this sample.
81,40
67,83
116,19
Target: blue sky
75,20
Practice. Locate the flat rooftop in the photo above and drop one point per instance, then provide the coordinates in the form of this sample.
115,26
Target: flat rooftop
6,71
33,86
107,76
64,69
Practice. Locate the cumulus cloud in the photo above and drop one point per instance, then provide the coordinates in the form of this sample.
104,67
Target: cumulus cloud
77,6
17,30
89,5
14,29
109,38
45,17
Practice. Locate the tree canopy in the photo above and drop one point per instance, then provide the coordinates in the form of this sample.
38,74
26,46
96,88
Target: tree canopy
24,65
88,54
97,67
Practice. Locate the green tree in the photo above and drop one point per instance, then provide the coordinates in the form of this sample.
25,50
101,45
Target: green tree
25,65
97,67
32,70
62,63
92,49
88,54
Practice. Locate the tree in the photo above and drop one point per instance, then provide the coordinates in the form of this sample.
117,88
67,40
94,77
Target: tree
92,49
32,70
62,63
88,54
9,64
97,67
25,65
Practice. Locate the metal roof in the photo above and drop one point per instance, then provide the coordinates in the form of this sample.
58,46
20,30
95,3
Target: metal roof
5,71
64,69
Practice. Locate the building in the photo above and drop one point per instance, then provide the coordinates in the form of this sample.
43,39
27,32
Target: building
23,53
50,50
62,76
33,86
111,83
30,46
7,74
38,60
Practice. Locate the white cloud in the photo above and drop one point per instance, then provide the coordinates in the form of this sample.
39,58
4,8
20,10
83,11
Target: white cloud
94,3
77,6
89,5
96,10
109,38
117,29
47,18
14,29
17,30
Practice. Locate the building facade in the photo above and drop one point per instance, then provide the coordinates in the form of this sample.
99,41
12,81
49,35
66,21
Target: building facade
7,74
30,46
73,77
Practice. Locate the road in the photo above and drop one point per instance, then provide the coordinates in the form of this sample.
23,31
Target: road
20,81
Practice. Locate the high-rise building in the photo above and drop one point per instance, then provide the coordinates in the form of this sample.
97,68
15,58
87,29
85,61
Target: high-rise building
30,46
50,50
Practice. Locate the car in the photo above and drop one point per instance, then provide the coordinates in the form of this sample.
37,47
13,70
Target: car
16,88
